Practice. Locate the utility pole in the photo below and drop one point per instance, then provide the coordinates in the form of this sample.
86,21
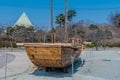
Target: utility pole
65,28
51,21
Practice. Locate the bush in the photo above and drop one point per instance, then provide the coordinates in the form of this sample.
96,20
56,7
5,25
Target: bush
1,45
117,44
113,44
7,44
14,45
91,45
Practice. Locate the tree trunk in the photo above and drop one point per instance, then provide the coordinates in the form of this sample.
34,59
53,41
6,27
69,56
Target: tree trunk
65,28
51,19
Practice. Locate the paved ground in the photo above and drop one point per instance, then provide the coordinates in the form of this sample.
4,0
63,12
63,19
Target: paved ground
99,65
104,64
17,62
3,57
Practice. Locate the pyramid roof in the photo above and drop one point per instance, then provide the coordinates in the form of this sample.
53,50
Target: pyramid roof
23,21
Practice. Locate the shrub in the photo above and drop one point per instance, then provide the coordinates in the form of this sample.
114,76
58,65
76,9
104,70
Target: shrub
14,45
91,45
1,45
117,44
7,44
113,44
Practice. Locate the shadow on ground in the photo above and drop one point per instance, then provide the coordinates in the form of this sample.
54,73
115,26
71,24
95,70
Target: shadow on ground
58,73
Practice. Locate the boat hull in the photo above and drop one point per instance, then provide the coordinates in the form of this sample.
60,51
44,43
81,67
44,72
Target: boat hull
51,55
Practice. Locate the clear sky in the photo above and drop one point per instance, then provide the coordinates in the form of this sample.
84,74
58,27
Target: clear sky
97,11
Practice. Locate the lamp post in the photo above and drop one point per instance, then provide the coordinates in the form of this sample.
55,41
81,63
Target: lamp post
5,62
44,38
72,60
5,65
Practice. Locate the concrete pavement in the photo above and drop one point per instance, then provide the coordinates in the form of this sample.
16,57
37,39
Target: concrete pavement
17,65
99,65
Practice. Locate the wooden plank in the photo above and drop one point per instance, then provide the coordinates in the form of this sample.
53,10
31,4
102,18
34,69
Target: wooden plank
50,55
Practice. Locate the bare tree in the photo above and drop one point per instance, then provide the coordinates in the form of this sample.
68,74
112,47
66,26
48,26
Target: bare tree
115,19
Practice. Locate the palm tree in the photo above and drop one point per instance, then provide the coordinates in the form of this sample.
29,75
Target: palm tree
66,17
60,19
71,14
51,19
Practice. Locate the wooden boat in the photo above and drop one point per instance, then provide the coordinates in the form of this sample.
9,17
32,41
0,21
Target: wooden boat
56,55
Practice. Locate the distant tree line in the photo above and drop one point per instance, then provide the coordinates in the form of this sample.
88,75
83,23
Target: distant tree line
98,34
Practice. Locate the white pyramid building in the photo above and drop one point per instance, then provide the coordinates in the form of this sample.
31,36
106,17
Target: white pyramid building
23,21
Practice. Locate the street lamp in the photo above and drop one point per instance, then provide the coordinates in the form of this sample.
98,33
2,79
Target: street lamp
5,53
5,65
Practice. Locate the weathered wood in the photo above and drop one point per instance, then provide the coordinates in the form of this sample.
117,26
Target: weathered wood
51,55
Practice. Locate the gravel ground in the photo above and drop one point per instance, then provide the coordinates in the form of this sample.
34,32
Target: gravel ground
98,65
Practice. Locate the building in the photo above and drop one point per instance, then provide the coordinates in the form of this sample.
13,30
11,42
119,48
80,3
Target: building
23,21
